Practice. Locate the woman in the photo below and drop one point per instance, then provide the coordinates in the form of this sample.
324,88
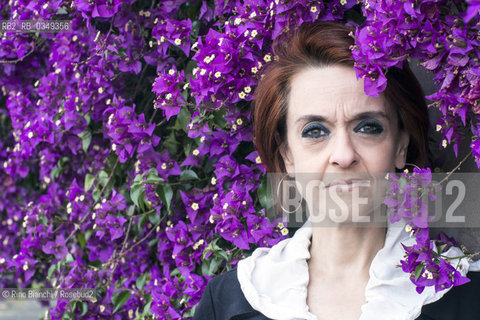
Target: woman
312,117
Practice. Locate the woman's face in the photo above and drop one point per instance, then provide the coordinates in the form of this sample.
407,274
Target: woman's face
338,134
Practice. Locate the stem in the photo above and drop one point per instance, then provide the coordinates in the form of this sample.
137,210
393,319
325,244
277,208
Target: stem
21,59
141,240
153,115
144,213
139,80
115,262
454,169
458,257
101,48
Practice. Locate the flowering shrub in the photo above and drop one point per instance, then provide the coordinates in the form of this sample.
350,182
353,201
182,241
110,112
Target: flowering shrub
125,144
425,261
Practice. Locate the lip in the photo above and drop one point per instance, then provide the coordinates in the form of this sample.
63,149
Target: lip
348,183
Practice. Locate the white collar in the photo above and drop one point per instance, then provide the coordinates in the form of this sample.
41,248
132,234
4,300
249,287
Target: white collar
274,280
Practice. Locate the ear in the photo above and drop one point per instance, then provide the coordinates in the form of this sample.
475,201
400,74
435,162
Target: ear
286,155
287,159
402,148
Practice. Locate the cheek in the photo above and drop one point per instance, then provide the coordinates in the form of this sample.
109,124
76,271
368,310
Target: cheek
309,159
379,158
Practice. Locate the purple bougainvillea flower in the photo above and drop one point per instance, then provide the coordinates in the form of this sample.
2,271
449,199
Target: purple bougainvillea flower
99,250
232,230
472,11
57,248
115,226
168,86
105,9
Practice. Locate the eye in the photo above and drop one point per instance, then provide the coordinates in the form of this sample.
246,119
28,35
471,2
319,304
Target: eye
369,126
314,130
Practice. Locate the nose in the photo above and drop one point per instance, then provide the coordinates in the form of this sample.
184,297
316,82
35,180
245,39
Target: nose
343,152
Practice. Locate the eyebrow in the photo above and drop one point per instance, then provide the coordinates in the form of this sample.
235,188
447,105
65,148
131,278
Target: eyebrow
358,116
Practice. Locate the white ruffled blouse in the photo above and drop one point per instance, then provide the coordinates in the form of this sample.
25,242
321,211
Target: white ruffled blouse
274,280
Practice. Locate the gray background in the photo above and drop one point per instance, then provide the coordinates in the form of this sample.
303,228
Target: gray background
21,310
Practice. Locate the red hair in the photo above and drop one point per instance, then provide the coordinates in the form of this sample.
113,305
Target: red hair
324,44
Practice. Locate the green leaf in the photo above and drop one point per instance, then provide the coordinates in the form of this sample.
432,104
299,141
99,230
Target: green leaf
418,271
120,299
152,177
166,194
192,9
51,270
196,25
153,242
141,281
183,119
81,240
190,65
135,194
140,225
86,137
89,179
73,305
264,194
171,143
121,52
142,221
88,118
55,173
205,267
441,248
130,210
219,117
214,265
190,312
188,175
96,194
221,254
146,310
187,147
69,258
212,246
185,94
138,179
154,218
61,11
402,182
68,315
88,233
42,220
102,177
82,307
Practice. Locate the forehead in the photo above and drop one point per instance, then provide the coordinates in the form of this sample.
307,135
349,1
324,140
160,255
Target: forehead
330,90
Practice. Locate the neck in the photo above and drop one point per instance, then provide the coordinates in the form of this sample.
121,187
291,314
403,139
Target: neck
344,251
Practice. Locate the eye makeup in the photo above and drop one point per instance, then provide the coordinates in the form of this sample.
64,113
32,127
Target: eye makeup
369,126
315,130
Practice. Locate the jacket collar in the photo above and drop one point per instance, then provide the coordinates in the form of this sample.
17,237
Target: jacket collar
274,280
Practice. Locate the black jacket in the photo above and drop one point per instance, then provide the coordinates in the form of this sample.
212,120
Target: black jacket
224,300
